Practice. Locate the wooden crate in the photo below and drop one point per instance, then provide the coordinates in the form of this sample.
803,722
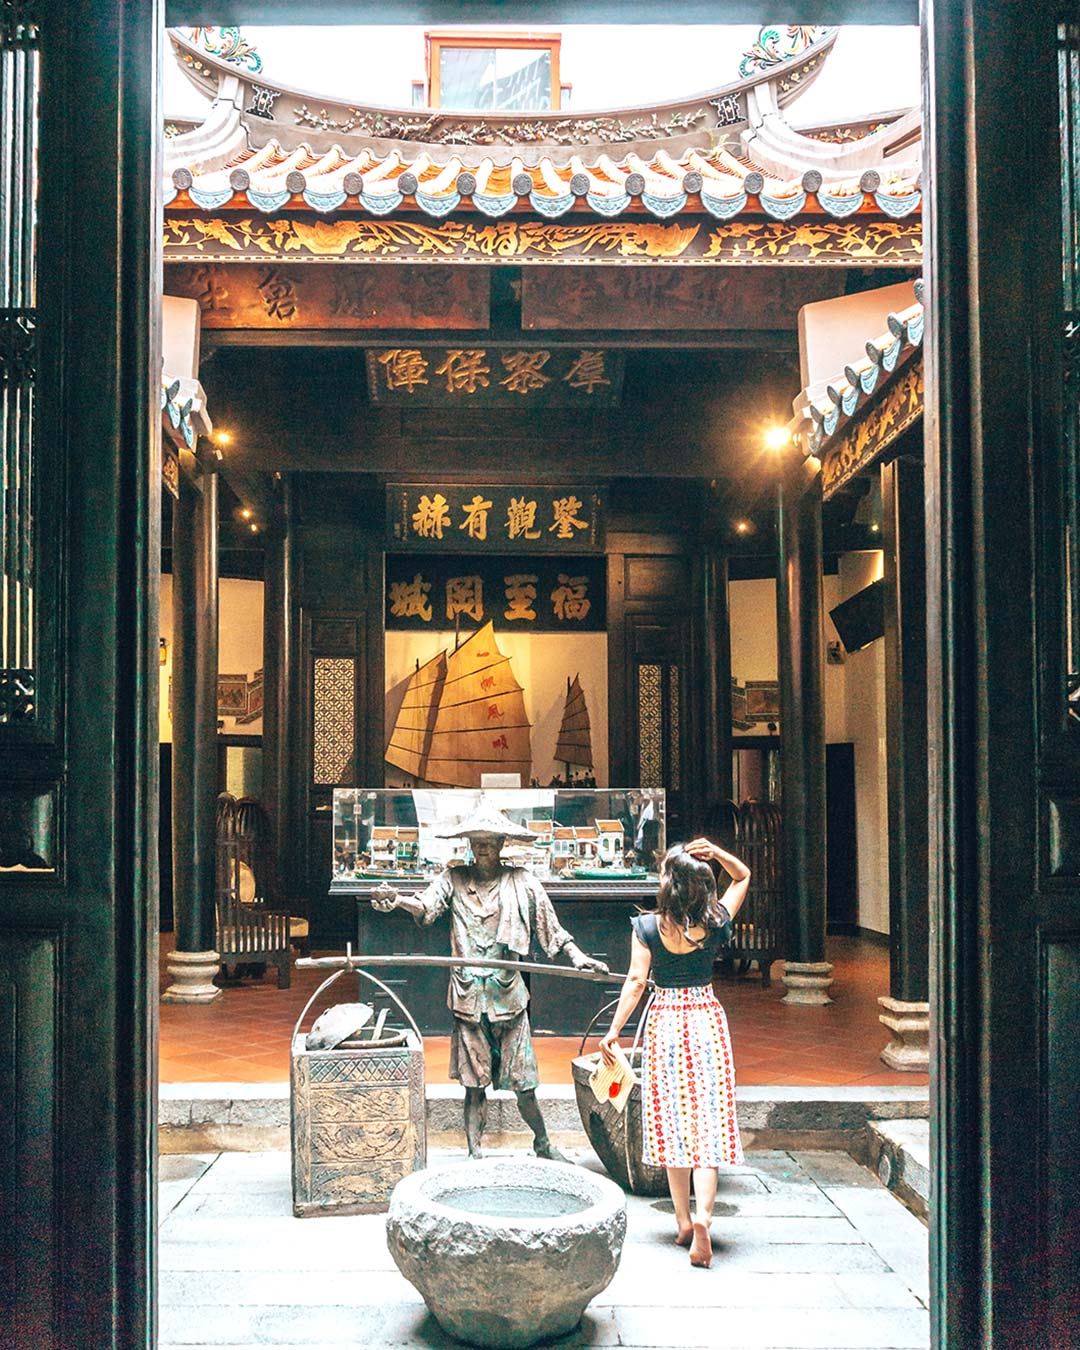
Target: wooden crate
358,1125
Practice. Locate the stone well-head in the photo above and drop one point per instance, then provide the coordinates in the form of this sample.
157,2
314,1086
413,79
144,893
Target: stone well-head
506,1251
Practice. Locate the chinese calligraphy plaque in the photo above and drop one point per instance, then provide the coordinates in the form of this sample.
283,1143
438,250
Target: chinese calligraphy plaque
509,376
508,519
534,594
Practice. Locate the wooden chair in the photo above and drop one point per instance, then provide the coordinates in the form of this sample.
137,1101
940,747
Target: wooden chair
254,827
759,924
251,931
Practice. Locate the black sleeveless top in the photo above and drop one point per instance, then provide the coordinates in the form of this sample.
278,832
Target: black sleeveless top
676,970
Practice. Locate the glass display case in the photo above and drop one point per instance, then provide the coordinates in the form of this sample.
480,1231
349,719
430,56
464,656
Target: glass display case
581,834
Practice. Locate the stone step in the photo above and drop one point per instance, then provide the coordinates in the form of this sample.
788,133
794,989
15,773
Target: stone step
899,1151
199,1117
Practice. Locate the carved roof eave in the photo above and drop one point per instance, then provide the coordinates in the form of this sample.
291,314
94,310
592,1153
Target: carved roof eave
295,118
821,418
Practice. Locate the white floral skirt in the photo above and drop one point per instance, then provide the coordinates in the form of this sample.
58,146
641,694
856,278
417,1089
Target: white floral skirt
688,1082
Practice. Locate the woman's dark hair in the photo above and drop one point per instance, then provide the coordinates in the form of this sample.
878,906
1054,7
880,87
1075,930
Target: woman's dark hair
687,894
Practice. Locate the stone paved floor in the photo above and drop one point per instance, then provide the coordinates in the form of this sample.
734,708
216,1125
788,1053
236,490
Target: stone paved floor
810,1252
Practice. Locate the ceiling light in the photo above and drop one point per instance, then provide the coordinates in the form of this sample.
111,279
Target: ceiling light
777,437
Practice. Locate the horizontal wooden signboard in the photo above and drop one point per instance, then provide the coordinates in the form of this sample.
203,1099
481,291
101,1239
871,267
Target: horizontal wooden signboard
431,518
698,299
277,295
507,376
525,594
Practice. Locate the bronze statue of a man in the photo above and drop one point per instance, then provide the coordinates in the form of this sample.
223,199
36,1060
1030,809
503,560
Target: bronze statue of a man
496,910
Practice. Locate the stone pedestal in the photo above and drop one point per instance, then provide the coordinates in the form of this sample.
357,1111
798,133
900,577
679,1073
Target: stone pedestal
807,982
909,1023
192,976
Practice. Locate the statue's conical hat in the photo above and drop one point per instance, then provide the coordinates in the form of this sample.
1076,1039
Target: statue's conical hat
486,819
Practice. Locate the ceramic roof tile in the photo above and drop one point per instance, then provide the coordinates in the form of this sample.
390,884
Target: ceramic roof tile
822,416
248,153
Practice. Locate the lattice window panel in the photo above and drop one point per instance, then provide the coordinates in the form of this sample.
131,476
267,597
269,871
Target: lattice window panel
334,710
674,736
20,81
650,725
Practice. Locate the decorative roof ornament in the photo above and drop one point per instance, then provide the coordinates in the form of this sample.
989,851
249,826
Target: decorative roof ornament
774,46
228,44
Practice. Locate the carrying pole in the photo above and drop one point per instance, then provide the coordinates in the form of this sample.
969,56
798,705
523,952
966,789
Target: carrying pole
351,961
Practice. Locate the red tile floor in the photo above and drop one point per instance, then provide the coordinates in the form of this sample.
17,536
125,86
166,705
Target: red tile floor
243,1037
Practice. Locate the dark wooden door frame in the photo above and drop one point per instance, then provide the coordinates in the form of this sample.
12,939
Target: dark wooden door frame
99,347
1004,926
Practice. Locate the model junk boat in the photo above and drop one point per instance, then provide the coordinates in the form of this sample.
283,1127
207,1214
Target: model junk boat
463,715
573,747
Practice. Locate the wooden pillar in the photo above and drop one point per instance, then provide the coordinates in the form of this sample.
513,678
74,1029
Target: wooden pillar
281,685
799,604
195,961
906,1010
717,644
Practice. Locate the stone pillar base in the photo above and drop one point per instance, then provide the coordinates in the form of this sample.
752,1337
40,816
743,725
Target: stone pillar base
192,977
909,1049
807,982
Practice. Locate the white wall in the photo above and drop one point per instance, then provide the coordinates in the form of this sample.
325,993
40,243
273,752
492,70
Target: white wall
541,663
752,610
240,644
835,676
854,710
864,711
752,607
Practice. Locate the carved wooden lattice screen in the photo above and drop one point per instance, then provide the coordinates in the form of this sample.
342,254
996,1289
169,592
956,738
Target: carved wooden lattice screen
659,736
334,709
19,87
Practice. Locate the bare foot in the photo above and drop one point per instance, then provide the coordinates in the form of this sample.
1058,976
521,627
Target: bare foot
700,1246
684,1235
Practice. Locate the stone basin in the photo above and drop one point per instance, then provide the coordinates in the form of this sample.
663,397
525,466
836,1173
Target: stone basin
507,1251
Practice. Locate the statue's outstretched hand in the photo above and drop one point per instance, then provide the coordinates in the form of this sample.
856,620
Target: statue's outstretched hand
580,961
384,898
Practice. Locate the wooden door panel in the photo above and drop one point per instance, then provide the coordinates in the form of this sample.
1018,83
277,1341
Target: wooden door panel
29,1085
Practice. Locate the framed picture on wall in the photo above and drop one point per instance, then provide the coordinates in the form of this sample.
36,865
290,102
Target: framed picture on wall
254,700
762,700
232,695
738,707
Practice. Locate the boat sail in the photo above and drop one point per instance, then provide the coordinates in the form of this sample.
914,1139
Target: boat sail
410,739
463,715
574,744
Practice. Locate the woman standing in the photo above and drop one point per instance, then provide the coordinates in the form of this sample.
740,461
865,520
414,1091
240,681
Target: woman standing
688,1077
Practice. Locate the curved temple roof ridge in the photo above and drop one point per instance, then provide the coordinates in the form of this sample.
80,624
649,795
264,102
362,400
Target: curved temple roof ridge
722,152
